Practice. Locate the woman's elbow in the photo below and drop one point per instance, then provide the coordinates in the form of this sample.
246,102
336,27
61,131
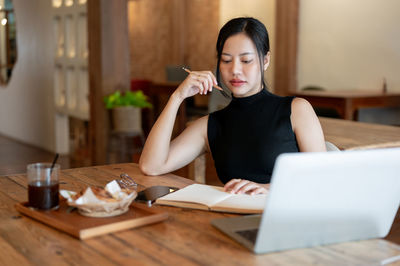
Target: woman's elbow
144,168
147,169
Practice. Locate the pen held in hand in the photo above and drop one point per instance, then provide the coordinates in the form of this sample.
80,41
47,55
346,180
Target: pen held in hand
214,86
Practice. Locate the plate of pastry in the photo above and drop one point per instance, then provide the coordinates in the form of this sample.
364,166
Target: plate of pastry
112,200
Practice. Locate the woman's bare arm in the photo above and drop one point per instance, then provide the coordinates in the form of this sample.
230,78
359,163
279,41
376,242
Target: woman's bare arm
306,127
161,155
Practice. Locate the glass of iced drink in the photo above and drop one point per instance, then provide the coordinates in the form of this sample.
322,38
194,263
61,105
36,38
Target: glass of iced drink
43,186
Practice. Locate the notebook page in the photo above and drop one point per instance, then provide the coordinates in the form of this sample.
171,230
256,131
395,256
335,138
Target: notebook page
243,202
204,194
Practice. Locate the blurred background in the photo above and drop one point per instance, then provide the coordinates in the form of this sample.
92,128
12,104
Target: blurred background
60,58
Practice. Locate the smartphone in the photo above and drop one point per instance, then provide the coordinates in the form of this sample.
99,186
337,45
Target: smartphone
150,194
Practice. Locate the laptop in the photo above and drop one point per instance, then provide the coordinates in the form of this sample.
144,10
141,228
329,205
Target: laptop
323,198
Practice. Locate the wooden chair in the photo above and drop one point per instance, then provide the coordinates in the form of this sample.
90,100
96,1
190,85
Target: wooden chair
331,147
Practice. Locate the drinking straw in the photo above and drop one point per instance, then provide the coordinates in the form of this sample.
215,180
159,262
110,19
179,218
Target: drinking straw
54,162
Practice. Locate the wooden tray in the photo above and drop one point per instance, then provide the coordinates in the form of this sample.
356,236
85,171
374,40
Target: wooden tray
83,227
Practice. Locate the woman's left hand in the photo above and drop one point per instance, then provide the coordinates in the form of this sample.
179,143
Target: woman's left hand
242,186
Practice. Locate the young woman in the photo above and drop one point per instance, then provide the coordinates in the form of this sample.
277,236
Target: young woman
245,137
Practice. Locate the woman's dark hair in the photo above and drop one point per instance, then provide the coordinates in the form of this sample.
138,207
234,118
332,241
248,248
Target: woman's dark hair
254,29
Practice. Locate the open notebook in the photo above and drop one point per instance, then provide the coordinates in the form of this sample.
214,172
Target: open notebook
213,198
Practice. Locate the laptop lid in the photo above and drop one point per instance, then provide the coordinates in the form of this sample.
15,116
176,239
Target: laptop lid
324,198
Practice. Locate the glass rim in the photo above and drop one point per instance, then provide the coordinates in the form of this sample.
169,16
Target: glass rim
42,166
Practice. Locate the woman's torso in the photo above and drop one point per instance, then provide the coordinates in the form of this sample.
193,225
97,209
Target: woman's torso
246,137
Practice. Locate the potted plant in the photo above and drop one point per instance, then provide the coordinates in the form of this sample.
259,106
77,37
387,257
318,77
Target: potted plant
126,110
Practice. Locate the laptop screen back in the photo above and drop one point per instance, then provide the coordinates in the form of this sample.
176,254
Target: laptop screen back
323,198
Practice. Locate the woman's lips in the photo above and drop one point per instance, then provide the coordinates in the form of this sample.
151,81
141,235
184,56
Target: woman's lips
237,82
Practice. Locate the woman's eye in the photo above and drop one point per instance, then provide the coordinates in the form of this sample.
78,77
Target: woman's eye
247,61
225,61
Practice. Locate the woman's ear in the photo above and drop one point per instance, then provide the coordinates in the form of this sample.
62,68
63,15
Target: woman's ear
267,59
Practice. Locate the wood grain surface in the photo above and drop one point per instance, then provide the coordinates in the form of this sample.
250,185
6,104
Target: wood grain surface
351,135
185,238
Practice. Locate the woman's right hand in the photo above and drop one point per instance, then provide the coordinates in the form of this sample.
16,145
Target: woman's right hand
197,82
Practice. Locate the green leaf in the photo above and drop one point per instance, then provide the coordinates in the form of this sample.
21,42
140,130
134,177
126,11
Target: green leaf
129,98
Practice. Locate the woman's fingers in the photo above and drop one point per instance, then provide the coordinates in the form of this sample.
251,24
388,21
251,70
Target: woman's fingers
230,186
206,78
240,186
258,190
213,78
197,82
235,185
205,81
209,77
247,188
201,86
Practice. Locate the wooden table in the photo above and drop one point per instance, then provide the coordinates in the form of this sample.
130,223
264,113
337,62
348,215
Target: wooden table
348,102
186,238
351,135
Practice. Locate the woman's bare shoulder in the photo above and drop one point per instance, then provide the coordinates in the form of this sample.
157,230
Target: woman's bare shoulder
301,105
302,113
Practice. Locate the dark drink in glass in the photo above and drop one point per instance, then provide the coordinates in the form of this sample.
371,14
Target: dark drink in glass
43,185
43,196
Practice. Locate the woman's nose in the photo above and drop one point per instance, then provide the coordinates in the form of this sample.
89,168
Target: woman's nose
236,67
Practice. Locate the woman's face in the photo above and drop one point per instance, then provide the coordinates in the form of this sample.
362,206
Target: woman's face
240,66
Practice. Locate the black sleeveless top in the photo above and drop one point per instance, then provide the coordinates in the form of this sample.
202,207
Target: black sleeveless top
246,136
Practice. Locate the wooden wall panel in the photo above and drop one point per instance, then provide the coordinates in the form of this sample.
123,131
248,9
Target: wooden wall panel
287,24
97,141
150,38
202,26
108,66
164,32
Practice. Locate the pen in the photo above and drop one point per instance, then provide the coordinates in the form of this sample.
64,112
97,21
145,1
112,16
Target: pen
215,86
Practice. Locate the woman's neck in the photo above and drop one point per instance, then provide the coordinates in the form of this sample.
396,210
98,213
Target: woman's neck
247,95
